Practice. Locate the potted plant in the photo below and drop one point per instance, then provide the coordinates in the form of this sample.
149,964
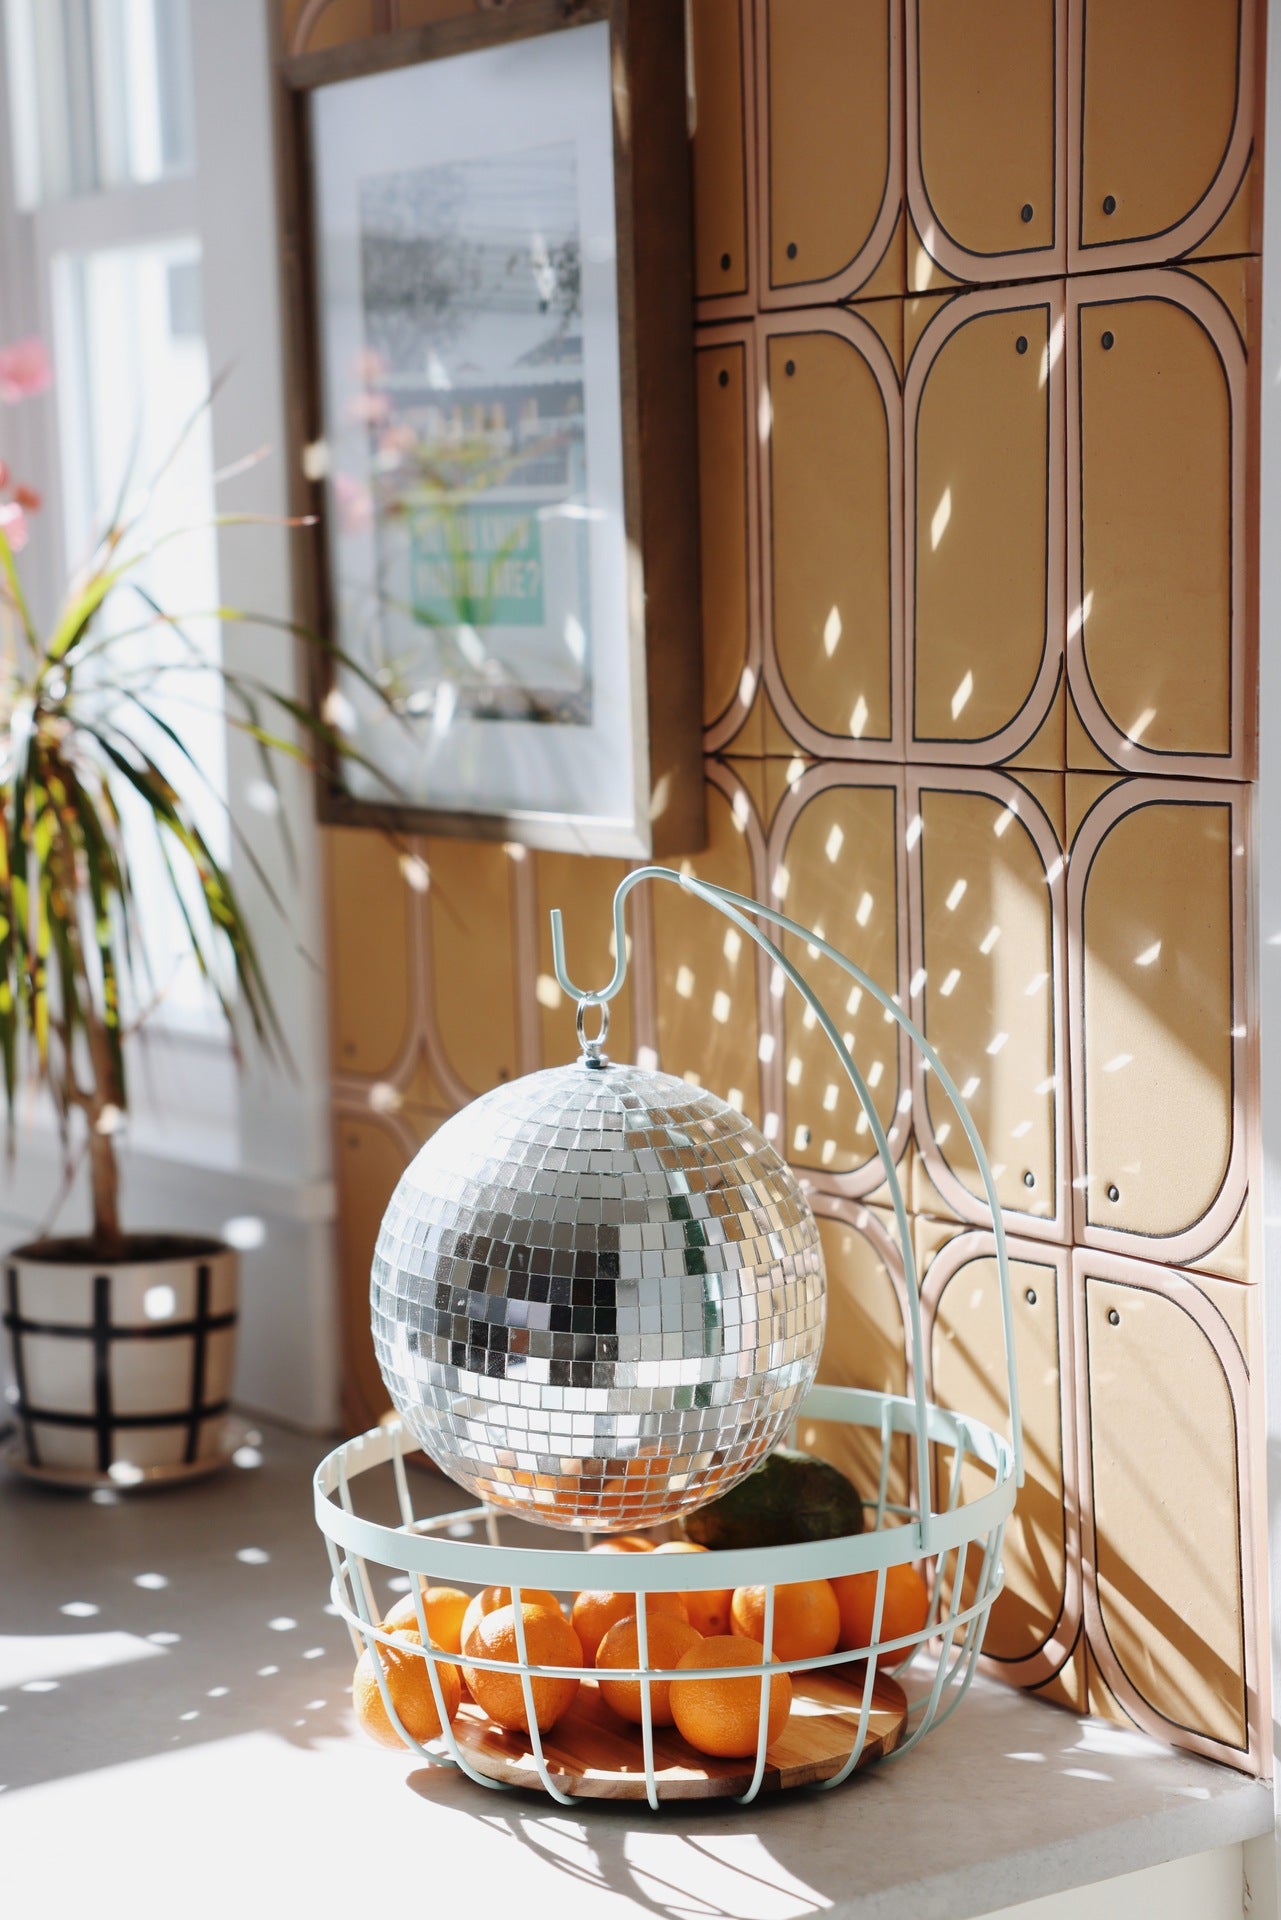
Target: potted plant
121,1344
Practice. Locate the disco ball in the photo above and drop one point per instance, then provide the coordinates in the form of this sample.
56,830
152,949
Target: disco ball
598,1296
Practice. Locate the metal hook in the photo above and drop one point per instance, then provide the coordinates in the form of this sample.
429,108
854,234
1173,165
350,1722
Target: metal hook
738,907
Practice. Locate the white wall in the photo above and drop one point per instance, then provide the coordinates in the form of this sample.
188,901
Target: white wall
1208,1886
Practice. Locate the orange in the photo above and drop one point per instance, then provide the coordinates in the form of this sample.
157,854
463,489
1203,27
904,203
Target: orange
489,1599
709,1608
807,1619
595,1613
906,1609
624,1543
409,1685
550,1641
668,1638
719,1715
444,1608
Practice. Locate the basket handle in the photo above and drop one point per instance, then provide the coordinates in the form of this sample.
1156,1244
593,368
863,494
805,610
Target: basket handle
743,912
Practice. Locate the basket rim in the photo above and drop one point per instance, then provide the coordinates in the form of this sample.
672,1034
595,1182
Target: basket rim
421,1550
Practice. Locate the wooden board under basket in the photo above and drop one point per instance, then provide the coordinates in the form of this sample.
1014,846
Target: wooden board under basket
594,1754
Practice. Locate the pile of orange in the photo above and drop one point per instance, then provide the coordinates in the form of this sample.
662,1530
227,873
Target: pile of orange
705,1633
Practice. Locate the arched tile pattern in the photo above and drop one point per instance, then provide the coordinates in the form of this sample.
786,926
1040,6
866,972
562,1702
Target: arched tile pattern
1160,646
1160,1026
976,314
987,136
984,577
831,490
988,973
1037,1619
830,93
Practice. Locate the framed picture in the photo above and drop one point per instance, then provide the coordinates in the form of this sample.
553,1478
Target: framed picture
489,299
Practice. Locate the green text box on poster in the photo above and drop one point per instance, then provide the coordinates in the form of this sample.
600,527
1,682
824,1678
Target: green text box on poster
478,564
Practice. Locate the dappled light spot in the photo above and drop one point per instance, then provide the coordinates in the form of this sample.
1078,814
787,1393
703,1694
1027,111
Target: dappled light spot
939,519
253,1556
159,1303
151,1582
79,1609
244,1232
262,797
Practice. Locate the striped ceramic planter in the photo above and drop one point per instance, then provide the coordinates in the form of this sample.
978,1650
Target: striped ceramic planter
121,1368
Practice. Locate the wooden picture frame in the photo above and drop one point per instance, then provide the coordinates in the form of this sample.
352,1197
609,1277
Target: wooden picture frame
608,763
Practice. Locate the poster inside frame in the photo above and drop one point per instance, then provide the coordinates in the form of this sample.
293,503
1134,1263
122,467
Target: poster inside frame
482,318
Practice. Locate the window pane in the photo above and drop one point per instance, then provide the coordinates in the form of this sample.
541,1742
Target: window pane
133,372
100,94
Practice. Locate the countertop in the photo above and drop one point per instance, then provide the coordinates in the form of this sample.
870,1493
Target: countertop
176,1739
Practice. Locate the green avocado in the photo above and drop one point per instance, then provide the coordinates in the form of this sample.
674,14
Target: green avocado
790,1497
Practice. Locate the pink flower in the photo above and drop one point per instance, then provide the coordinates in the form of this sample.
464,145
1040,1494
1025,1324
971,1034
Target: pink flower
13,524
28,497
355,504
25,370
368,409
370,366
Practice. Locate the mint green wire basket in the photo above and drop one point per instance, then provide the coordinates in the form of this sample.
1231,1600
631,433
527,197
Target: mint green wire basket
951,1534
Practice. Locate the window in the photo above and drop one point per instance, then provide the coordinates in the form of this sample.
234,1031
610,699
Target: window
138,239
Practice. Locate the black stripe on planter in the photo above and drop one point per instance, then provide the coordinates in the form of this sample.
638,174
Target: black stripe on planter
12,1321
181,1417
198,1360
168,1330
102,1366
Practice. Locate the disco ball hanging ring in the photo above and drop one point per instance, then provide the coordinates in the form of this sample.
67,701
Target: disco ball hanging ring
598,1294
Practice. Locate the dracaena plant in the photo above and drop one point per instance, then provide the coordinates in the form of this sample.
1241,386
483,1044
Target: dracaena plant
81,728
